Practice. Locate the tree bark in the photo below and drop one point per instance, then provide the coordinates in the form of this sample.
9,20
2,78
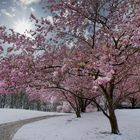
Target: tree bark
83,109
113,121
78,114
98,109
133,102
83,105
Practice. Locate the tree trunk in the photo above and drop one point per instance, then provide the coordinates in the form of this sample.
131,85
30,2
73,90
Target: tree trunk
83,109
82,104
98,109
78,114
113,122
109,103
133,102
133,105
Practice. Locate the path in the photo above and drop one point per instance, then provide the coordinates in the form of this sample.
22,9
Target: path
7,130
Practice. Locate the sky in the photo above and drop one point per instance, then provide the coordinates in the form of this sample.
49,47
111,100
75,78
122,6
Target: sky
15,13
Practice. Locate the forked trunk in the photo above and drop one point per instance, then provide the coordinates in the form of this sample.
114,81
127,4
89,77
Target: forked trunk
82,105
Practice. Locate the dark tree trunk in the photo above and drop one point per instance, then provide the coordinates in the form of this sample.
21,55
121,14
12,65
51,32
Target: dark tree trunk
98,109
83,104
78,114
113,122
83,109
133,105
133,102
38,106
109,103
12,101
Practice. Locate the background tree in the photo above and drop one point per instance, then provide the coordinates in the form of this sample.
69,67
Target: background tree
109,25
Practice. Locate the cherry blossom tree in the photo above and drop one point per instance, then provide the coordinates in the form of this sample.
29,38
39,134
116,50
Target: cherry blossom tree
59,72
111,26
129,89
84,52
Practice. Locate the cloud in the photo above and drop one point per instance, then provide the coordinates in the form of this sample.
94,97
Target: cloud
32,9
4,2
28,2
9,14
13,9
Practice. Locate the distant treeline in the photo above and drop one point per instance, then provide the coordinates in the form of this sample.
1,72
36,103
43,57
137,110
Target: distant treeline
21,101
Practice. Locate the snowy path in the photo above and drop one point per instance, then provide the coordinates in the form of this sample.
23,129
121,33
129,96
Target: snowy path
91,126
7,130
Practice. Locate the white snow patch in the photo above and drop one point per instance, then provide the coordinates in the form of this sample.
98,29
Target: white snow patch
92,126
10,115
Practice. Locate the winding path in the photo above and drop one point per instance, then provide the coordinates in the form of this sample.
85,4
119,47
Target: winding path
7,130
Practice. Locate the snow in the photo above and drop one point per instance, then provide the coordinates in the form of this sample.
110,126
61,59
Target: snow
10,115
92,126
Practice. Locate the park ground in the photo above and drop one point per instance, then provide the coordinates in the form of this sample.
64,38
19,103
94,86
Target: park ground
92,126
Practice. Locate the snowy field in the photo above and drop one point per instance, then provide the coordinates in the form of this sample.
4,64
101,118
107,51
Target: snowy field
10,115
92,126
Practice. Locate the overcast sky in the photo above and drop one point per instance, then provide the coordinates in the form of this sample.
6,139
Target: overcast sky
13,11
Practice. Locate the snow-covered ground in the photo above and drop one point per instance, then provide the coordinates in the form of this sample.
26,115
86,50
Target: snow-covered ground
10,115
92,126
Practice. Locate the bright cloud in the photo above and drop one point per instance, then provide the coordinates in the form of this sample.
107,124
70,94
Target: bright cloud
9,14
32,9
28,2
22,26
13,9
